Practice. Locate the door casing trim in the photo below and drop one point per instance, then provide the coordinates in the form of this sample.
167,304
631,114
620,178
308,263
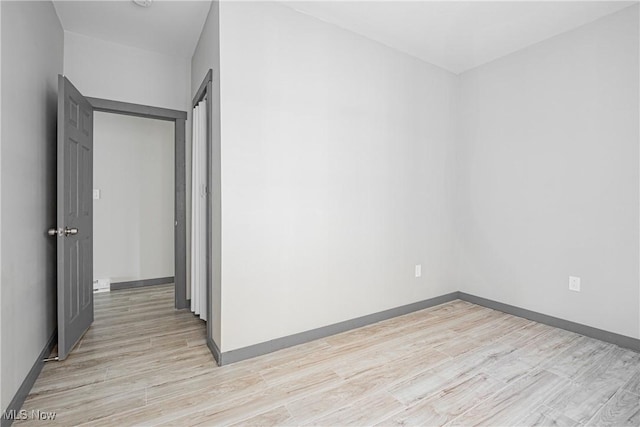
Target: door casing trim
180,232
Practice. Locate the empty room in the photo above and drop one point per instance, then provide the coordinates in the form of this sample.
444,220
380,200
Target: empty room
321,212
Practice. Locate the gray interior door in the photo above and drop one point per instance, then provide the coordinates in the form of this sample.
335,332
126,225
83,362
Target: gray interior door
75,216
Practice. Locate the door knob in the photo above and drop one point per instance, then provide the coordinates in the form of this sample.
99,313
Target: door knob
62,232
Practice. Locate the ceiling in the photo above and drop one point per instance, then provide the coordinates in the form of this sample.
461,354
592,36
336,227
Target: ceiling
458,35
168,27
454,35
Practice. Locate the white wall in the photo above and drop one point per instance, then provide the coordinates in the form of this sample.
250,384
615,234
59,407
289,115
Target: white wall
32,50
205,57
133,221
336,175
108,70
549,176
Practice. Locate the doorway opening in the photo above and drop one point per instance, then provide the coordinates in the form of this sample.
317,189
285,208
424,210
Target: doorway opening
133,202
74,232
177,120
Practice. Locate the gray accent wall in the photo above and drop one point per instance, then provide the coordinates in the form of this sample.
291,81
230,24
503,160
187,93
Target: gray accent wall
548,176
32,58
205,57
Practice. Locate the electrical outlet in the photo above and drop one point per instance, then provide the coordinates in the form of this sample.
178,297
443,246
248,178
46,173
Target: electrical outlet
574,283
96,194
418,270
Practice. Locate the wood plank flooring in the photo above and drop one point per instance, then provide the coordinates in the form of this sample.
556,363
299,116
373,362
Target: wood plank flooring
457,364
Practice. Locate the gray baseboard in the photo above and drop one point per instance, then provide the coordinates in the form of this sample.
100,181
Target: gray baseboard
18,399
325,331
227,357
217,355
578,328
140,283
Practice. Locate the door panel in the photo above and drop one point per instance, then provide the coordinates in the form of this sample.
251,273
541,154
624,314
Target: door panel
75,216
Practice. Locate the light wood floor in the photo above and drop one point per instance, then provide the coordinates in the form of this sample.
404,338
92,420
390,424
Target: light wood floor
455,364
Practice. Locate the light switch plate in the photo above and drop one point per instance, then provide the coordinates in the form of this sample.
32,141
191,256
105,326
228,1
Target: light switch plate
574,283
96,194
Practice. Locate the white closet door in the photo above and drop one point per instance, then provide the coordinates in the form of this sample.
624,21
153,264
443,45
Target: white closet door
202,173
194,209
199,211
